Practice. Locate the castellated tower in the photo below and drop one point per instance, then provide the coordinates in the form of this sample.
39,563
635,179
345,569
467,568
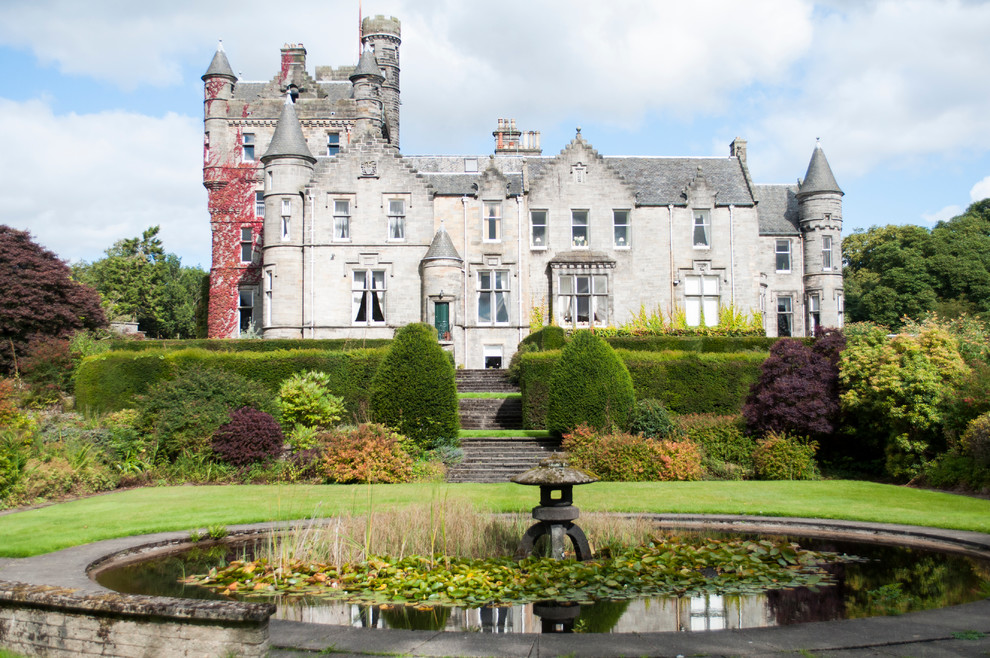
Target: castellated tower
820,216
382,35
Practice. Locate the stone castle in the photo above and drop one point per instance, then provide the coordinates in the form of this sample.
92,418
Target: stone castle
323,229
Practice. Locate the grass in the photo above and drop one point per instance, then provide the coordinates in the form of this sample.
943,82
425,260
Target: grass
535,434
158,509
489,395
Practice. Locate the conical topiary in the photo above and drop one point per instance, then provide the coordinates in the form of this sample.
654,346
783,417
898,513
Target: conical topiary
590,384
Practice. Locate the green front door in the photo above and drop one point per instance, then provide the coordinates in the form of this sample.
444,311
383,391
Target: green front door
441,319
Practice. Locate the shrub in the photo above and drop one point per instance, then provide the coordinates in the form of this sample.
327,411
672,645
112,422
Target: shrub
976,440
367,453
727,451
250,436
414,391
305,399
14,454
546,339
590,384
779,456
954,469
183,413
8,409
621,457
47,367
650,418
798,389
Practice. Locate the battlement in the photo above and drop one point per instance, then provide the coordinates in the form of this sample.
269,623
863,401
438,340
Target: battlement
381,25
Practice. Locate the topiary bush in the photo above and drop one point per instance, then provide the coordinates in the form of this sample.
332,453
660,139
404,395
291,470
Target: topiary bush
249,436
181,414
589,384
779,456
976,440
650,418
305,399
368,453
414,391
621,457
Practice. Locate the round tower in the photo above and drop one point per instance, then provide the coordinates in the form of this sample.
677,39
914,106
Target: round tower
820,215
367,83
383,36
218,86
442,276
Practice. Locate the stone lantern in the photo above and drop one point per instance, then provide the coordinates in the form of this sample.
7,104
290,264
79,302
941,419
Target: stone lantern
555,514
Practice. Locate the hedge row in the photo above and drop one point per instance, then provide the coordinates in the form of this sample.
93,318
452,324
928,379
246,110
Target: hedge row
686,382
110,381
552,338
249,345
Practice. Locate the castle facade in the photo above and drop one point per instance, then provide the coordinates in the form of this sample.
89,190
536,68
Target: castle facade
322,228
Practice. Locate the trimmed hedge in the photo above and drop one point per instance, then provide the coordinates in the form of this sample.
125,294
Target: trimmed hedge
110,381
547,338
249,345
706,344
686,382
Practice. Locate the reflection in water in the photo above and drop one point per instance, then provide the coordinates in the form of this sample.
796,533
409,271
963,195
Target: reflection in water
892,580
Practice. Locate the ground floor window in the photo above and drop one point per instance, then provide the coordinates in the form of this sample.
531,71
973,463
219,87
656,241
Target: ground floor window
368,297
493,297
785,316
582,299
701,300
493,356
814,314
245,310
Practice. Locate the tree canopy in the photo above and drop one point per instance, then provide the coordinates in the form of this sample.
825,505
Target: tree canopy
38,297
139,281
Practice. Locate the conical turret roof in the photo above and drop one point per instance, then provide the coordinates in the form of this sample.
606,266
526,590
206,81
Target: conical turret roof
288,138
219,66
442,247
367,65
819,177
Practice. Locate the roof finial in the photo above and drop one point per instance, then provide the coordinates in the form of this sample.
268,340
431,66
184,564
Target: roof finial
579,130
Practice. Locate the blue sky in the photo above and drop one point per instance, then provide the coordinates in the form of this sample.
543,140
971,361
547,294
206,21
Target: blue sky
101,102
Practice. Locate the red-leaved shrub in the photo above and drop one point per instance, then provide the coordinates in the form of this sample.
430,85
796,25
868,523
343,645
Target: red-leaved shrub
621,457
250,436
367,453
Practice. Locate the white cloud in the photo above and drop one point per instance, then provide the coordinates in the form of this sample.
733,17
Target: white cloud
79,182
947,212
980,191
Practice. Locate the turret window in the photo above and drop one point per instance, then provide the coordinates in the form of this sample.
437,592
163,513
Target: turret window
247,147
492,222
783,253
368,297
579,228
396,219
814,313
538,229
493,297
286,218
341,220
702,234
827,253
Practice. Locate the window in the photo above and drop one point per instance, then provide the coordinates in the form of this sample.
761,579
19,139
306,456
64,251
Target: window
493,297
784,316
826,253
259,204
269,286
286,218
840,307
247,147
245,310
333,143
620,228
579,228
491,224
247,244
396,219
783,251
702,228
206,147
701,300
492,355
814,314
368,297
341,220
538,229
582,299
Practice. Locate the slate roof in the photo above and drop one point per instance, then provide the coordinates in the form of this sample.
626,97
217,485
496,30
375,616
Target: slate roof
367,65
332,90
288,138
777,209
446,184
819,177
442,247
219,65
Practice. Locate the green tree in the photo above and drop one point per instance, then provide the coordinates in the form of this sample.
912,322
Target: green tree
960,261
139,281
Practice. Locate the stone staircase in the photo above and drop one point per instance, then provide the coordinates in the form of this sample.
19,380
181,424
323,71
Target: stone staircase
494,459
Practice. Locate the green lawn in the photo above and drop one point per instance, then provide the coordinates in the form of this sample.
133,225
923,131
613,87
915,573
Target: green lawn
154,509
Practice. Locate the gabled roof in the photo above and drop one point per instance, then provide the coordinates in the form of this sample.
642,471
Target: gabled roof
819,177
288,138
219,65
442,247
777,209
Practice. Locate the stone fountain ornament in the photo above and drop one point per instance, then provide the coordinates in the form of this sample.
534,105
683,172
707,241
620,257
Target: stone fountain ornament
555,515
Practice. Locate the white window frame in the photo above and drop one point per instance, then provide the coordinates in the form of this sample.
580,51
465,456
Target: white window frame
701,218
247,244
493,293
333,143
269,286
621,229
701,299
341,220
840,309
785,311
286,219
582,294
242,294
827,255
580,232
259,204
248,145
396,220
544,229
368,291
814,305
778,252
491,221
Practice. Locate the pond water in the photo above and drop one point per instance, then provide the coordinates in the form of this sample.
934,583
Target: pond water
891,580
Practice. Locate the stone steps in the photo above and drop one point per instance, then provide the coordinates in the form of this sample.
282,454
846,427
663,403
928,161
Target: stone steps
478,381
490,413
499,459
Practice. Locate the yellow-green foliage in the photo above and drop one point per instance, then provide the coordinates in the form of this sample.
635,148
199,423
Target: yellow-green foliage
779,456
620,457
731,322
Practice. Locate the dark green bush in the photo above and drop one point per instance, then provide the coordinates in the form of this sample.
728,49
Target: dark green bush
546,339
111,381
707,344
414,391
650,418
976,440
589,384
181,414
954,469
779,456
534,384
249,436
621,457
727,451
250,345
